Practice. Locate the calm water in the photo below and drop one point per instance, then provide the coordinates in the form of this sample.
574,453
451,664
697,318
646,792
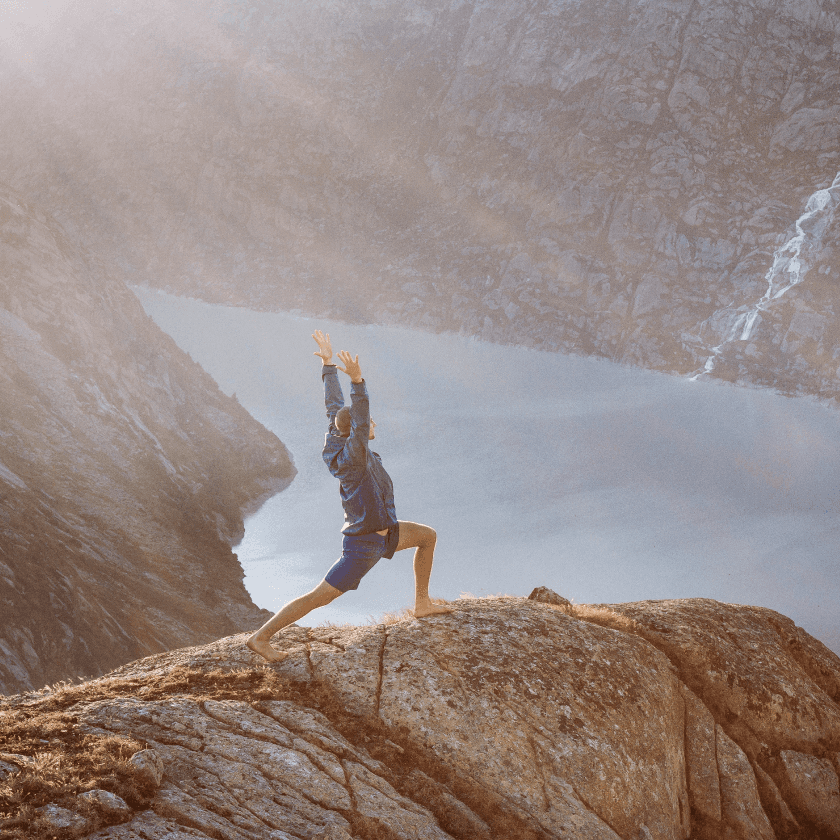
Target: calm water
604,483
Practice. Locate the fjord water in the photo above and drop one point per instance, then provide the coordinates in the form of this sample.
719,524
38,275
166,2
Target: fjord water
603,482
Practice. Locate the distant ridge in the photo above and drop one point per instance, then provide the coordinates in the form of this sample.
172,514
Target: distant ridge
124,471
601,177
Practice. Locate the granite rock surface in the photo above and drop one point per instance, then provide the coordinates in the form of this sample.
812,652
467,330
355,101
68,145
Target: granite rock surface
509,718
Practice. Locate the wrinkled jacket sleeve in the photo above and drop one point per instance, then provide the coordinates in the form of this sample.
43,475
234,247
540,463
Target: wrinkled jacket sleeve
355,451
333,396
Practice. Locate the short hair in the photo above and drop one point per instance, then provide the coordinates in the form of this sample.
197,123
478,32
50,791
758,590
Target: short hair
343,420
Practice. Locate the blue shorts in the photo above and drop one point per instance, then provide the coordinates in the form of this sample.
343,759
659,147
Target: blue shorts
361,553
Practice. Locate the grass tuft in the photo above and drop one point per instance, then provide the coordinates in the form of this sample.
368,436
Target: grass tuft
603,616
66,761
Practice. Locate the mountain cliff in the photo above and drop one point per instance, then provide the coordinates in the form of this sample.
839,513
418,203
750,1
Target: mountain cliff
511,719
124,471
611,178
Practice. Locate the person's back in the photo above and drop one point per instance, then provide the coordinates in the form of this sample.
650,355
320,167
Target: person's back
367,492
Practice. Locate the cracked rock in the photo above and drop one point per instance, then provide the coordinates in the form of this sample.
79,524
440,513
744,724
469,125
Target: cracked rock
61,818
813,789
149,765
505,719
109,804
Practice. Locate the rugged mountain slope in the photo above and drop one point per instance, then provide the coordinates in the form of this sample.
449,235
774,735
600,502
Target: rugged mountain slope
510,719
601,177
124,471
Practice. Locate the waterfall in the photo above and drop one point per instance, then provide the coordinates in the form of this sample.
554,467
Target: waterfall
789,267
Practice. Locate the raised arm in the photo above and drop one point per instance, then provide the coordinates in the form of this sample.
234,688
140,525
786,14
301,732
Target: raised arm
333,396
355,449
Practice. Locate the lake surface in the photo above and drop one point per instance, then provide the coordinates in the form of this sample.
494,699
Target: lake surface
604,483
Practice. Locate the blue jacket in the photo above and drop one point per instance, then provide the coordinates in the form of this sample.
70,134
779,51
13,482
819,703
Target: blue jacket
367,493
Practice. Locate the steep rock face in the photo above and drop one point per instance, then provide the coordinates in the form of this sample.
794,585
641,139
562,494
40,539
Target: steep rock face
601,177
124,471
507,719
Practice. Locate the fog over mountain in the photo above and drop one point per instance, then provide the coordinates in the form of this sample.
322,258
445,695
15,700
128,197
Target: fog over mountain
606,177
124,471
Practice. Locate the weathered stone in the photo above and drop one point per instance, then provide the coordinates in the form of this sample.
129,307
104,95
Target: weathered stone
453,814
7,768
183,809
149,765
811,786
112,807
701,760
544,595
526,726
777,810
503,719
745,663
331,832
147,825
742,815
17,761
58,818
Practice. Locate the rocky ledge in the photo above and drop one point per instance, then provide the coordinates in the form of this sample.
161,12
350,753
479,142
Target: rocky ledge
125,473
510,718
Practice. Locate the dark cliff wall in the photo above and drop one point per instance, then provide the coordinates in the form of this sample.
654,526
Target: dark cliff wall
600,177
124,471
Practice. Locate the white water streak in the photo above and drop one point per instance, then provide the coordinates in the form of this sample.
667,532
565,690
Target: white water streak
788,269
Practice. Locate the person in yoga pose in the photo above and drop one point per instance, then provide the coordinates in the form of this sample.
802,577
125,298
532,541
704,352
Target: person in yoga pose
371,528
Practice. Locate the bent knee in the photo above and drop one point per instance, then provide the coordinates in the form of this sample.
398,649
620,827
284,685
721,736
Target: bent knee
429,536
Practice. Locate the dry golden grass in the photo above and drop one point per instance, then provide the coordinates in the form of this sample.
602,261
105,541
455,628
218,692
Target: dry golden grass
603,616
67,762
388,618
405,614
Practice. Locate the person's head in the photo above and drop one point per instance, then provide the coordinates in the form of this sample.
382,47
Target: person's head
344,423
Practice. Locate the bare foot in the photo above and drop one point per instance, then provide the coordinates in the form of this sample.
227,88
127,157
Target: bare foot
265,650
424,608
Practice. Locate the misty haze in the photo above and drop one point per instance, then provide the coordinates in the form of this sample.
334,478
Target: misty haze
652,184
604,483
588,253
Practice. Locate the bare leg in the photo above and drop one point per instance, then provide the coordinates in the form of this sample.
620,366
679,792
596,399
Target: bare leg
321,595
423,538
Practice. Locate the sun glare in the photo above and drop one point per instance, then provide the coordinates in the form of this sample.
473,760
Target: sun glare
31,14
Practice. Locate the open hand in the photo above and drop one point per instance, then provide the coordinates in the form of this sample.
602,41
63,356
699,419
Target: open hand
324,347
351,366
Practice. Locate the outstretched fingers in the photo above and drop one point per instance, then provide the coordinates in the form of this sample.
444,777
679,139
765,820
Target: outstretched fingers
351,365
324,345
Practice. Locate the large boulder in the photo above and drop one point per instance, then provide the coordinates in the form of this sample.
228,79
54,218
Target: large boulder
772,685
508,719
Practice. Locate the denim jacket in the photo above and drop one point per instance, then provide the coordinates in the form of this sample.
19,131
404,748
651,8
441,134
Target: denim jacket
367,493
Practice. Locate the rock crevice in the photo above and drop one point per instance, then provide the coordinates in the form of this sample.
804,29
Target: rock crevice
619,746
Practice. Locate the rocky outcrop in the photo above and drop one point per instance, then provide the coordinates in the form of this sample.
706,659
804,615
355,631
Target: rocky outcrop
599,177
509,718
124,471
